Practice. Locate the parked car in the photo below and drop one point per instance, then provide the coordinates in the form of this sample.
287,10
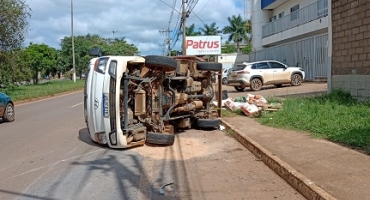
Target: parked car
133,100
225,72
7,112
267,72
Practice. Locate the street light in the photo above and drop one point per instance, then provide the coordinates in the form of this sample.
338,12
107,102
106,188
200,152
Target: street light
73,45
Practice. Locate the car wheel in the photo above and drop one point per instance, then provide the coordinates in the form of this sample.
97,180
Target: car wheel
163,62
9,113
296,80
239,88
209,66
160,138
207,123
224,81
256,84
278,85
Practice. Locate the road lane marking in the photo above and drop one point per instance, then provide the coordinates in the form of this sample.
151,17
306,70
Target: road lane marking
77,105
51,165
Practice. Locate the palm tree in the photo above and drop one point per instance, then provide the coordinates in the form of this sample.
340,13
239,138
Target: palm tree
248,31
210,29
236,29
190,31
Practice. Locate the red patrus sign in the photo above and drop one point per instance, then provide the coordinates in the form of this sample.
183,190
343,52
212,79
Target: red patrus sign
203,45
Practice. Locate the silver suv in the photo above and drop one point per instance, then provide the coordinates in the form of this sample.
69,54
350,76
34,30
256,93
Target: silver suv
267,72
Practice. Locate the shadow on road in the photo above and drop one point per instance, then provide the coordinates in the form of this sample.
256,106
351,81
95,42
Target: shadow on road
84,136
26,195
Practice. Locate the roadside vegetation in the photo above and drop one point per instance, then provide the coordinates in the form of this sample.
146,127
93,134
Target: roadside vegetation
28,92
336,117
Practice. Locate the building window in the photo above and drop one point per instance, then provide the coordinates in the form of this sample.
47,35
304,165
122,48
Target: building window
273,18
322,8
281,15
294,12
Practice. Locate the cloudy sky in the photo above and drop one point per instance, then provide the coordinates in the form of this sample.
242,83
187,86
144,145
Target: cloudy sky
139,21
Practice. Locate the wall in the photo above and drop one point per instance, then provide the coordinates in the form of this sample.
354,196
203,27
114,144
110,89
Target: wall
229,60
258,19
314,27
351,47
287,5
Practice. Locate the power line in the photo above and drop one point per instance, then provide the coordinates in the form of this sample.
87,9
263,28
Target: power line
168,40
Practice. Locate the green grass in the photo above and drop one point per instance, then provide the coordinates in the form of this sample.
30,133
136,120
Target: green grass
336,117
229,113
26,92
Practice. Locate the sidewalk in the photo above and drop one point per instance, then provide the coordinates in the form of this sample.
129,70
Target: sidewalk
317,168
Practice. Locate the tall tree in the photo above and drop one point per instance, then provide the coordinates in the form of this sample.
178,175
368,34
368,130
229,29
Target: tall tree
210,29
41,58
13,23
83,44
236,30
13,28
248,31
190,31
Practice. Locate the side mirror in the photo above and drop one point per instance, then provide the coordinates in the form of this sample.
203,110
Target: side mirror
95,52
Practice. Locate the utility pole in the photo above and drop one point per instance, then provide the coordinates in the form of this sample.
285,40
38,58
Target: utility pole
183,28
113,33
73,45
168,40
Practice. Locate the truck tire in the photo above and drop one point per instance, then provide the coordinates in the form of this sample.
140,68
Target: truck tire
160,138
166,63
207,123
209,66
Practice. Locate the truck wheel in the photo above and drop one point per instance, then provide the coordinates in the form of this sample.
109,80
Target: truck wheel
209,66
207,123
166,63
160,138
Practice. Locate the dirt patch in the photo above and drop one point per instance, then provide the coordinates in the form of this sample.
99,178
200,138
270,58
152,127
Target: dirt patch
194,148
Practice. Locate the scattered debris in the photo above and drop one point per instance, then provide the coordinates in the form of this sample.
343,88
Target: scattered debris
251,105
161,191
221,128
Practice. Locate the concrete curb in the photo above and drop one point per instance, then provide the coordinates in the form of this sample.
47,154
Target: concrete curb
298,181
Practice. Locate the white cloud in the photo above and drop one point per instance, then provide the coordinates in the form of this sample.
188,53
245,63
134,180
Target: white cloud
139,21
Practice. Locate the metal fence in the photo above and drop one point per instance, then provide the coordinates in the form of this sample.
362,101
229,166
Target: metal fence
311,54
309,13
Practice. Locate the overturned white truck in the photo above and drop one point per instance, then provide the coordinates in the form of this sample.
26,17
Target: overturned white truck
130,100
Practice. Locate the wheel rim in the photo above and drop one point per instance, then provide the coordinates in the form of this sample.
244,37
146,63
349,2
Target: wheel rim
224,81
296,79
10,112
256,84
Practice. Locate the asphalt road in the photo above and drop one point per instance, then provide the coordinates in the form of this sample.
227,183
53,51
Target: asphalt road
47,154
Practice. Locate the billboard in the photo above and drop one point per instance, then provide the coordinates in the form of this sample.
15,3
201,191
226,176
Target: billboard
203,45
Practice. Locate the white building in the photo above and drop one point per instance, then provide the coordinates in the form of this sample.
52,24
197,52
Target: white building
294,32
